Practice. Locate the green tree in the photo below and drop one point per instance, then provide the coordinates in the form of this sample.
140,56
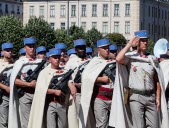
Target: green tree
74,33
42,31
11,30
92,36
77,32
116,38
150,46
62,37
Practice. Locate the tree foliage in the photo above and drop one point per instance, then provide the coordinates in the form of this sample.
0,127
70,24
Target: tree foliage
41,30
11,30
150,46
116,38
92,36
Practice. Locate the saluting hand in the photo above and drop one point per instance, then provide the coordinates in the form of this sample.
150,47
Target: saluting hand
134,41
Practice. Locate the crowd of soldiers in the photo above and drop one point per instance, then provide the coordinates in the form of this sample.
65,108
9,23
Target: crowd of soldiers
74,89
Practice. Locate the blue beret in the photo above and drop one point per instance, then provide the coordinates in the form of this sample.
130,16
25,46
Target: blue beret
40,49
88,50
71,51
113,47
22,51
142,34
79,42
29,40
103,42
60,46
54,51
7,45
168,45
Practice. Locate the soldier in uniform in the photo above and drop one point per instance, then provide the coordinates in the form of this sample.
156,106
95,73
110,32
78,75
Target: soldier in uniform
113,51
75,82
64,57
97,84
41,52
89,52
22,52
23,68
144,87
55,98
71,51
6,66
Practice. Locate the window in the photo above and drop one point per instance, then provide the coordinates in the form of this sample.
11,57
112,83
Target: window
127,27
6,8
62,25
52,11
12,9
149,11
153,28
152,11
73,23
94,10
62,11
18,9
41,12
73,10
52,25
127,11
83,25
116,9
31,11
94,24
83,10
158,13
116,27
105,9
105,27
165,15
149,27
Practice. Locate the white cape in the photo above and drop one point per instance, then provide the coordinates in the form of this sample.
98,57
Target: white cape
164,68
119,117
37,109
14,118
89,75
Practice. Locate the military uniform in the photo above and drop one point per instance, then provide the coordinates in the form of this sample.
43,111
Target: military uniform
25,101
4,101
142,87
5,72
41,52
75,61
63,60
56,107
22,52
102,94
89,52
